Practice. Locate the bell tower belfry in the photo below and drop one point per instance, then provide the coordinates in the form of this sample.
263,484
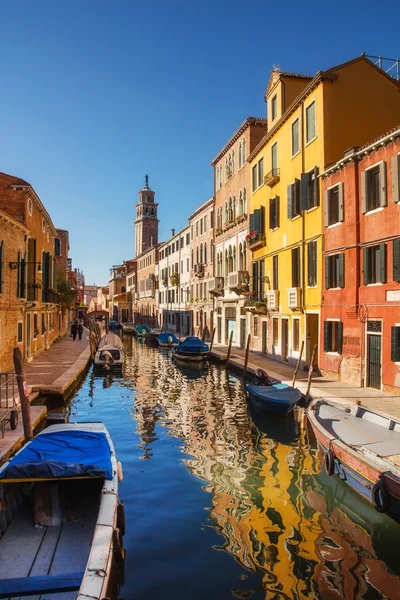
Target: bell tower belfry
146,223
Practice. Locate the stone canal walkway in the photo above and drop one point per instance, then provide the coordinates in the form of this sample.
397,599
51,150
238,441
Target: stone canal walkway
56,370
321,387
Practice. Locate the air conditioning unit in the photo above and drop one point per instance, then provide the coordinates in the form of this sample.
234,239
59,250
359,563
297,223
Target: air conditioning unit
273,299
233,279
294,298
199,269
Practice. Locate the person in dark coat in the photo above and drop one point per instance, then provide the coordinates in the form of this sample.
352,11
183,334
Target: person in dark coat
80,330
74,330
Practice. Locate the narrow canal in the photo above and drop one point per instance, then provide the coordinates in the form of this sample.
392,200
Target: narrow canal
220,504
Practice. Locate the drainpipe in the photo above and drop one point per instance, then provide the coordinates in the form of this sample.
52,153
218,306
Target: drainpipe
303,225
358,267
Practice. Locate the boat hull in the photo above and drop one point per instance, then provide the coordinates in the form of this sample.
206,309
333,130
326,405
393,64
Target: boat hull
361,473
190,357
274,399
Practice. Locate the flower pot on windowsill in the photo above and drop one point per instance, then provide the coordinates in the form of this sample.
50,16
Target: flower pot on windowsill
260,307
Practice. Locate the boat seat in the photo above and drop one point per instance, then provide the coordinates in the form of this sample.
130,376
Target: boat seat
34,586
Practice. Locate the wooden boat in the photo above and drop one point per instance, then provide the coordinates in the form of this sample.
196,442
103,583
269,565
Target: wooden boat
109,355
151,337
192,349
141,330
114,326
129,328
362,447
278,398
61,520
167,340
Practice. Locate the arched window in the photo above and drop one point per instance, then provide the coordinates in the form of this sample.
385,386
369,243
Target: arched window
230,166
201,253
241,257
205,253
244,150
197,255
233,162
226,263
240,154
226,169
234,207
240,203
192,258
234,259
244,201
244,257
226,213
230,210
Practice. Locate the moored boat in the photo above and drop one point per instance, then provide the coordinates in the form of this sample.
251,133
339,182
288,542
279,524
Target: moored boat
192,349
362,447
277,398
61,520
141,330
128,328
110,354
167,340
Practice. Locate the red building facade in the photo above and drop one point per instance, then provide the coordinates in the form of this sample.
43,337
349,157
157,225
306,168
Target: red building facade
360,332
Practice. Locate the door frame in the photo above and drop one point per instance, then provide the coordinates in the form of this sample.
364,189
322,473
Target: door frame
366,368
285,358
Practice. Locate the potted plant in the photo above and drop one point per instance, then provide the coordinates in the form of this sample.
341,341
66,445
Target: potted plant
260,307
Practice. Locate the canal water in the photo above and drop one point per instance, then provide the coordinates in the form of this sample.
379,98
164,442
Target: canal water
221,504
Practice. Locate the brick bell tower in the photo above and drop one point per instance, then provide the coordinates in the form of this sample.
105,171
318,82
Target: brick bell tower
146,223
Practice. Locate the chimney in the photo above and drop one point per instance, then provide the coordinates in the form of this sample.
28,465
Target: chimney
172,232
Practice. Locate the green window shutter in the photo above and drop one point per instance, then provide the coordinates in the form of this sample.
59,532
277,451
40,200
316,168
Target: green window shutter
328,279
271,214
326,208
309,264
395,344
315,262
341,201
396,178
341,270
340,337
257,220
364,192
382,181
366,266
1,266
315,199
296,197
396,259
262,219
304,191
252,223
327,327
290,190
382,263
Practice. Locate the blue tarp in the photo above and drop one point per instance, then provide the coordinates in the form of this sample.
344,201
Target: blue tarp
142,329
193,345
165,338
62,454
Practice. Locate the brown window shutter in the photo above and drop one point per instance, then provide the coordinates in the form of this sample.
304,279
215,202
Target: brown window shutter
326,208
395,178
382,181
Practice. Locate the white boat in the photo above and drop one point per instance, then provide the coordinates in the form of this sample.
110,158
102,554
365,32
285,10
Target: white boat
61,521
109,354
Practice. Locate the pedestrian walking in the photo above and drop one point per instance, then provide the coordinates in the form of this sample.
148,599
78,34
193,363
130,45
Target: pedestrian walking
80,330
74,330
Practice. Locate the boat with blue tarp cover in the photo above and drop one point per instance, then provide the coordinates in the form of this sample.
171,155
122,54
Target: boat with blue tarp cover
62,506
275,398
192,349
167,340
141,330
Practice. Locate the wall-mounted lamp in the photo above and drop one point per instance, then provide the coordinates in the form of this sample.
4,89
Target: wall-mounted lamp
17,264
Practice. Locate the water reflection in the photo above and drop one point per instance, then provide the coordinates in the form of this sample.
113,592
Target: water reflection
292,532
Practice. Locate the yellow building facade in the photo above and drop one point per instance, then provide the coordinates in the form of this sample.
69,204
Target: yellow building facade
312,121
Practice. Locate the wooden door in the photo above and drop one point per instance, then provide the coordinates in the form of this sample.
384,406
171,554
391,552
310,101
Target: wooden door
374,364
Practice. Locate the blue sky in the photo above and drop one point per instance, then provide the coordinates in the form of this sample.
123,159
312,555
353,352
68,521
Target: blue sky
97,93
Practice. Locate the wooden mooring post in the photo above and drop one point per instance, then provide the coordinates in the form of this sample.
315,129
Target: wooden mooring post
246,358
298,364
310,373
212,339
23,394
228,358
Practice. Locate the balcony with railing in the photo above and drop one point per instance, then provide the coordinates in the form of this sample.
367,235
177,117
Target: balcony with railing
199,270
255,240
238,281
272,177
216,286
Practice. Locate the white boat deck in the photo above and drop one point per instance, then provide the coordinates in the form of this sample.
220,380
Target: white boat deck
362,433
27,551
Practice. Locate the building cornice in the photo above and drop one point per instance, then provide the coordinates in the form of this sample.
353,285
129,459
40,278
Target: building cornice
249,121
26,187
201,208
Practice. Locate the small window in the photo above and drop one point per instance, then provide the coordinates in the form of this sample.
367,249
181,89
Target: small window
20,333
274,158
57,247
274,213
29,207
310,123
260,172
43,226
312,263
309,189
333,336
275,323
334,271
274,107
375,264
333,209
295,137
296,334
373,188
